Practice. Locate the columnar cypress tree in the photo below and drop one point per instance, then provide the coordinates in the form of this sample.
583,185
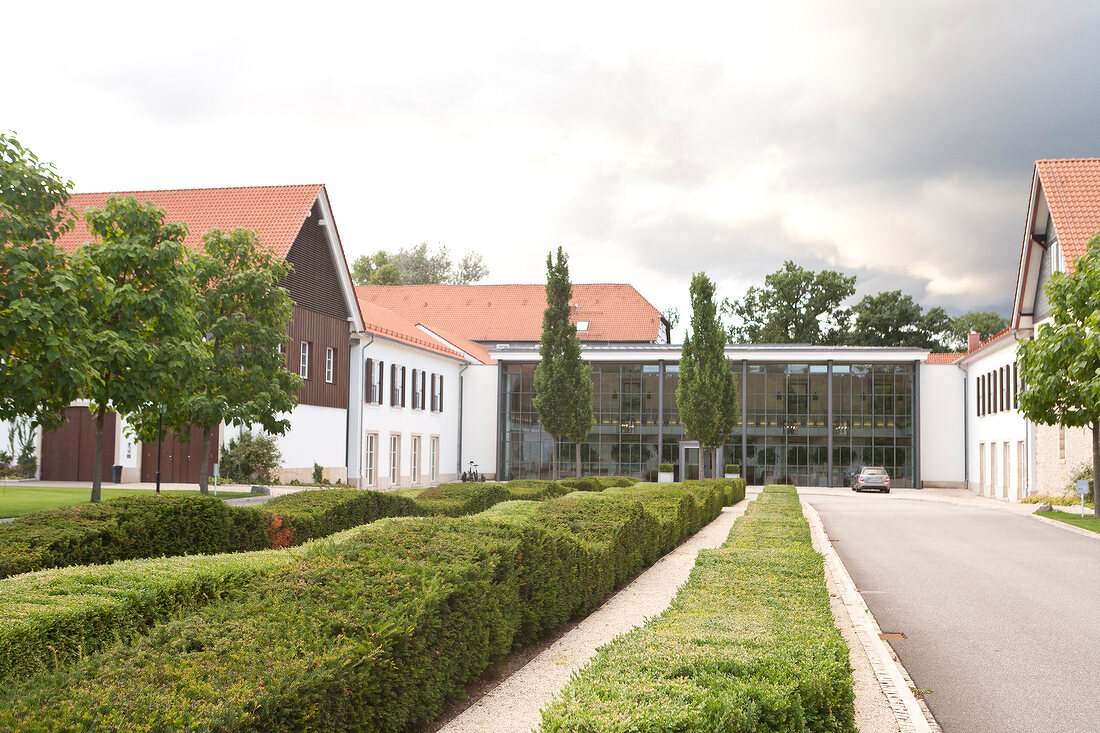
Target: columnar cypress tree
563,383
706,394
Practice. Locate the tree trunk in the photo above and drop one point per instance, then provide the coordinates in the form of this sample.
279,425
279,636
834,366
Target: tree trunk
1095,467
204,476
554,458
97,459
578,460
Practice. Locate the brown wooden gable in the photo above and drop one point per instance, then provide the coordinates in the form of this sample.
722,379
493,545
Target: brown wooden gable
315,282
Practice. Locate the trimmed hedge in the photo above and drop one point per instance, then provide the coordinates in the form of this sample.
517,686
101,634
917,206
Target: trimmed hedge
374,632
749,644
307,515
128,528
598,483
459,499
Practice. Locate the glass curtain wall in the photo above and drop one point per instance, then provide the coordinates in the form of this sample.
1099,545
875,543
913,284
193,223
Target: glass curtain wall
786,423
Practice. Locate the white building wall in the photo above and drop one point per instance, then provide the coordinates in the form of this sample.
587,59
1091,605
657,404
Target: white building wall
316,435
998,441
942,442
480,417
385,421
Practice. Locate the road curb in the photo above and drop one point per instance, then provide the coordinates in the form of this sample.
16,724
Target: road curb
1064,525
912,715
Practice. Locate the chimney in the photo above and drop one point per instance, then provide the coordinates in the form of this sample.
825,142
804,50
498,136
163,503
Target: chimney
973,341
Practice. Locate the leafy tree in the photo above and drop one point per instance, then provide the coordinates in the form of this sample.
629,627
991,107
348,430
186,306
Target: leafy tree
707,393
43,328
563,383
893,319
1061,365
417,265
672,315
795,306
243,315
984,323
144,338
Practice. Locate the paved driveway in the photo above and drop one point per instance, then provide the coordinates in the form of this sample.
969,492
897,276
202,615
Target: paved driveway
1001,612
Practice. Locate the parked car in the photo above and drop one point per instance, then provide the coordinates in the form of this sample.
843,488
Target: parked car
871,477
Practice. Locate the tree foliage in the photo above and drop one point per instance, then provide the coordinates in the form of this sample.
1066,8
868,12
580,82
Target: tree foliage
1060,366
707,393
418,265
893,319
43,330
242,314
983,323
563,383
795,306
144,335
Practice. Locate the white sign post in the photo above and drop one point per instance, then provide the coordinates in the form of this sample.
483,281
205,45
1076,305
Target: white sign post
1082,489
216,480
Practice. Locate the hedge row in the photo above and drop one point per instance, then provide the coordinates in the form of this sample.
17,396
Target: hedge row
598,483
169,525
371,633
749,644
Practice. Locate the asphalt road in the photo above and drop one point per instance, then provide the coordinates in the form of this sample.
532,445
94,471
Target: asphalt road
1001,613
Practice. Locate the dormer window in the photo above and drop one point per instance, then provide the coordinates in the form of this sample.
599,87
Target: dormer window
582,326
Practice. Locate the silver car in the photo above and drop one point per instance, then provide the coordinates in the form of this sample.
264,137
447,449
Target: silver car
871,477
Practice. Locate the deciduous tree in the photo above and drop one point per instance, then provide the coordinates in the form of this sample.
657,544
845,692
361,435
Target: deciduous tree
983,323
563,383
144,337
707,393
893,319
43,328
242,314
1061,365
419,265
795,306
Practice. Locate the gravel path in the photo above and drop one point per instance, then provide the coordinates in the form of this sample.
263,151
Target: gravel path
514,705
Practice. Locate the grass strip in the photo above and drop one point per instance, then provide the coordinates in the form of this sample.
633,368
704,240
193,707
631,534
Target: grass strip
373,632
748,644
1088,522
15,500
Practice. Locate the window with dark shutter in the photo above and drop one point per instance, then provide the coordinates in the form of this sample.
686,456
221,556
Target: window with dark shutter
423,387
435,407
368,381
394,386
441,393
416,391
403,387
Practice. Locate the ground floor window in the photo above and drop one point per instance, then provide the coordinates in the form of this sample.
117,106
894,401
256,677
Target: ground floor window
433,470
981,465
992,469
395,459
369,459
414,459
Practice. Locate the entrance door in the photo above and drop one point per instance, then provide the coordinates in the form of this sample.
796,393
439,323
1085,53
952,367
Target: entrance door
689,459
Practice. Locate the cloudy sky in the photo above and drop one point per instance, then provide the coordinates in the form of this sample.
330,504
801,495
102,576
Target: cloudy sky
650,140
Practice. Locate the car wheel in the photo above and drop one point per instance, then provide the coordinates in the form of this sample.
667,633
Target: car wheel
886,491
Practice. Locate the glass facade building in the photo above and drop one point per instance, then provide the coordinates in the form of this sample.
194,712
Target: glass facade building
810,424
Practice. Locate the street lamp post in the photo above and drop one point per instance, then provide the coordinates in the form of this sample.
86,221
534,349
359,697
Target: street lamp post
160,438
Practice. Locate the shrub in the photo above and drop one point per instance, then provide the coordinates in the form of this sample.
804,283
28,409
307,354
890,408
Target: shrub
318,473
665,468
457,499
251,458
535,489
691,471
373,632
307,515
1083,473
588,483
733,468
748,644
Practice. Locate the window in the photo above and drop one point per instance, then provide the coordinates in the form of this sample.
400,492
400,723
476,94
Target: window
395,459
433,460
414,459
439,396
992,469
978,396
416,391
423,389
981,465
369,459
435,393
1007,466
330,363
374,372
397,386
303,361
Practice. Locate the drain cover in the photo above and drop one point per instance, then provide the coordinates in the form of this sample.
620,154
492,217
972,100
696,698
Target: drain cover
891,635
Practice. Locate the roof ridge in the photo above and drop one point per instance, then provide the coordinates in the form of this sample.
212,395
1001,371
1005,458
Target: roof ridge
199,188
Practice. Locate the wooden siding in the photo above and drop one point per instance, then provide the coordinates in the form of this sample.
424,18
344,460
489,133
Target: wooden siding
68,453
179,461
315,283
321,331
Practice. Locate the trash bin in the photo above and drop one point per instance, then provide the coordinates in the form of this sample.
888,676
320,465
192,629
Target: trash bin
117,472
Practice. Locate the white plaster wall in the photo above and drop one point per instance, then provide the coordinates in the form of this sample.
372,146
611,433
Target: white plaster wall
479,417
994,430
316,434
383,421
942,461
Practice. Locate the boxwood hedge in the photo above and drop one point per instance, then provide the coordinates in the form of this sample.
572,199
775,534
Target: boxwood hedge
373,632
748,645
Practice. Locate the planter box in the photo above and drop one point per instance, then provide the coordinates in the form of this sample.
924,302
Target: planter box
731,475
664,477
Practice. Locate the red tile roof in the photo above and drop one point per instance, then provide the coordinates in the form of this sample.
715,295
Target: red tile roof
491,313
1072,189
944,358
276,213
472,348
384,322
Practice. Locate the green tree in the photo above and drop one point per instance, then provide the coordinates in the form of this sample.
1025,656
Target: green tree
43,328
365,269
983,323
1061,365
795,306
417,265
386,274
243,315
563,383
707,393
144,338
893,319
469,269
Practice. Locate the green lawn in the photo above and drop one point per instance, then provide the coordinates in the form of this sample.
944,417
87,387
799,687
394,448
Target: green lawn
1089,522
18,500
